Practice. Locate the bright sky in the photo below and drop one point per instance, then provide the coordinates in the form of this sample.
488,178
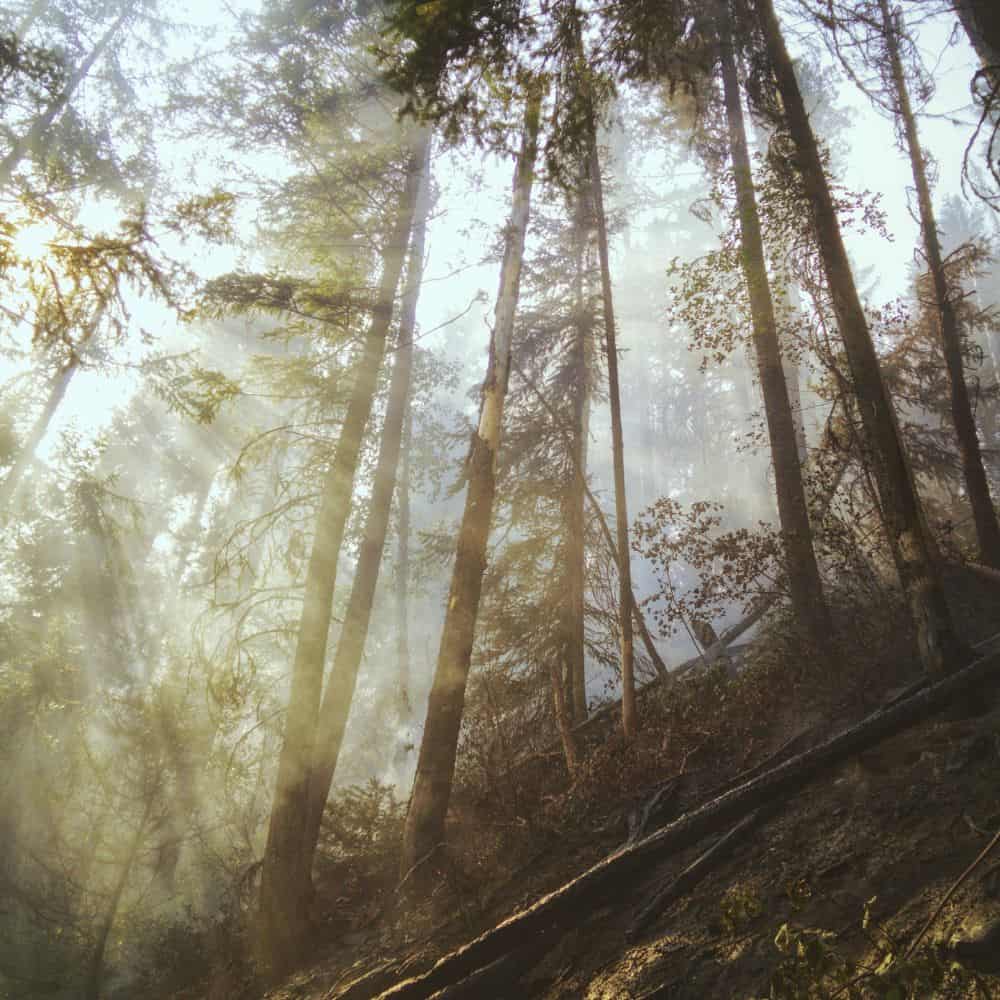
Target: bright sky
458,235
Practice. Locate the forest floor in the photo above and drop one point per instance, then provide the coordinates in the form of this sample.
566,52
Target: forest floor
836,882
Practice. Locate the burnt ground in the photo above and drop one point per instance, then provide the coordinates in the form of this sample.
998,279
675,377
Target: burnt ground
837,882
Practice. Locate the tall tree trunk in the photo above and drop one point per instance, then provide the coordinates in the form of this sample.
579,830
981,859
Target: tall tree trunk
630,720
976,484
981,21
425,819
285,884
574,564
793,376
340,687
804,582
403,569
939,645
41,125
57,393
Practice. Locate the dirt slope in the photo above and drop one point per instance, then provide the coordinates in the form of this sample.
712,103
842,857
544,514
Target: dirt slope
839,880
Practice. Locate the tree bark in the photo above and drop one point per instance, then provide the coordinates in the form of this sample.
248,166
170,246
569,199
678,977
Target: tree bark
612,878
981,21
804,581
574,565
402,592
940,646
630,721
976,484
340,687
425,818
285,883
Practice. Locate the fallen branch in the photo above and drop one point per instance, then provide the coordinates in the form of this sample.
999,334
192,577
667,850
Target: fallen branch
695,872
983,855
657,805
985,572
570,904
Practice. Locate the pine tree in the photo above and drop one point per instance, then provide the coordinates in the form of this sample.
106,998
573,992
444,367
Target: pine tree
425,819
940,647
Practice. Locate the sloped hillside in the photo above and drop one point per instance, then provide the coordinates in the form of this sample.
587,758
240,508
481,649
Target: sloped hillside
815,887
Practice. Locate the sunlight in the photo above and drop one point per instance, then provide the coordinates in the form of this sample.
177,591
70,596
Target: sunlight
31,242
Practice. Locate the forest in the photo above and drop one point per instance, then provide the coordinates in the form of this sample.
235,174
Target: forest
498,499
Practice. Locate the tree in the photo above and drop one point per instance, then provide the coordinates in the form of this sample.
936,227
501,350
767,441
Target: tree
981,22
940,647
977,487
800,559
339,692
425,818
285,882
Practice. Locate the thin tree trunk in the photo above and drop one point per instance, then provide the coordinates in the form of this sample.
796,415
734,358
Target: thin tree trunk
976,484
940,646
95,966
57,392
640,622
340,687
574,565
425,819
403,569
793,377
41,125
800,560
630,720
402,593
564,723
285,882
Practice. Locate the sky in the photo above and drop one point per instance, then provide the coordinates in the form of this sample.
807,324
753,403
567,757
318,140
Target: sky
474,200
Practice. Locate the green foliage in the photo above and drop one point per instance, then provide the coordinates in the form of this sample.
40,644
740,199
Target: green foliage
737,565
814,967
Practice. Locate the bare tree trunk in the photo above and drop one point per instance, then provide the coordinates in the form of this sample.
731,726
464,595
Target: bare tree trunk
26,455
403,569
57,393
340,687
940,646
285,884
425,819
574,566
976,484
630,721
800,560
41,125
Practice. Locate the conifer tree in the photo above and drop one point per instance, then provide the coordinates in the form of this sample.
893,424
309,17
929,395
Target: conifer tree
940,647
977,487
800,559
425,818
